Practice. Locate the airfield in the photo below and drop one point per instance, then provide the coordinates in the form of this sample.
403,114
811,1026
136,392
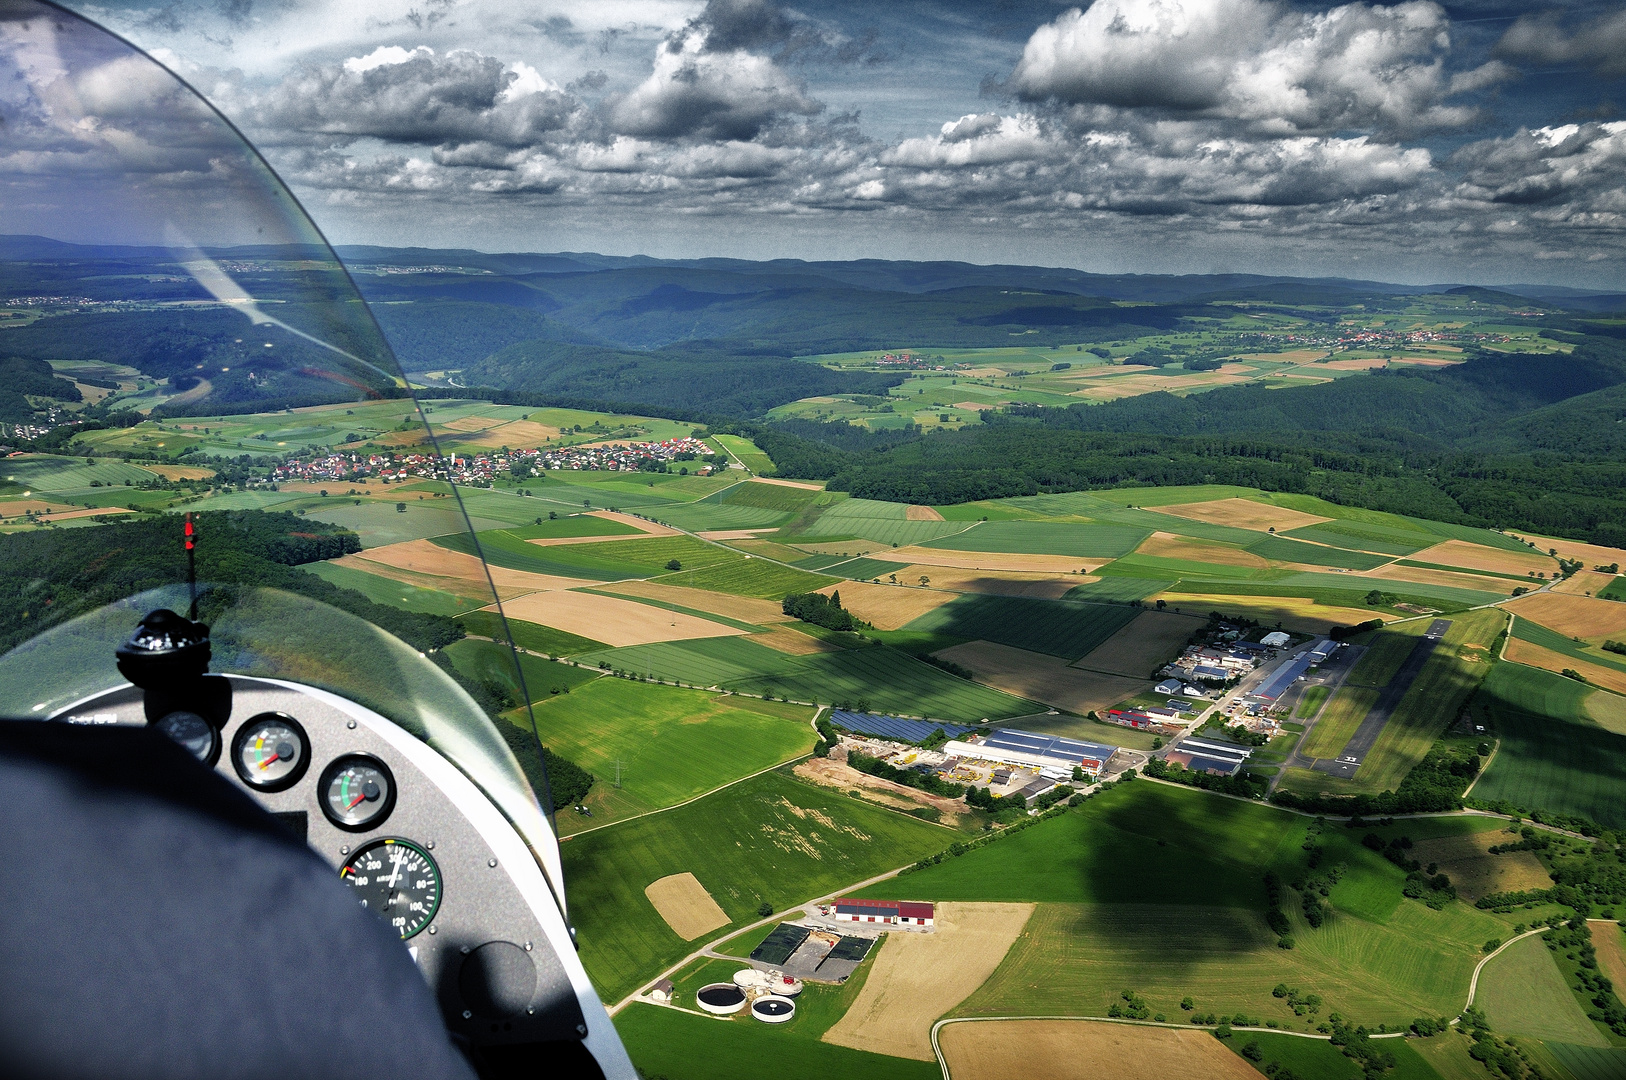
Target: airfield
656,655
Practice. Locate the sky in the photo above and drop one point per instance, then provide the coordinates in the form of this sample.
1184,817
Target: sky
1476,141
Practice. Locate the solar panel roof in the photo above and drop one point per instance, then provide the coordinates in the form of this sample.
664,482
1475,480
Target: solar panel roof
894,727
1056,746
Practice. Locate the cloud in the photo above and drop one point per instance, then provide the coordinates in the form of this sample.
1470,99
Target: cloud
416,96
1277,70
1575,170
699,91
1599,44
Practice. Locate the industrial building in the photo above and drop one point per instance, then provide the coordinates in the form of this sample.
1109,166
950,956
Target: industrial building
1204,755
1049,754
1289,673
891,912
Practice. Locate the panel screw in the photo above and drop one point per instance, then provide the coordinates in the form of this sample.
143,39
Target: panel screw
527,946
351,725
492,862
345,850
430,845
431,929
581,1029
530,1012
467,1015
465,950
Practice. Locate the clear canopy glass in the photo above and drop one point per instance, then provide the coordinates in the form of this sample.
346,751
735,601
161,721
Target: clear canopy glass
147,234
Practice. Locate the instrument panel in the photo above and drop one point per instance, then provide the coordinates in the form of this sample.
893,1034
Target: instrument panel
418,843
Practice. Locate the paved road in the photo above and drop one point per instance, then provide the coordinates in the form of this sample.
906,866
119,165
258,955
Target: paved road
1360,744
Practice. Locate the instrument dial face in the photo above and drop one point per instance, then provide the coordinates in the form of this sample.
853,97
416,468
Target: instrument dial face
270,752
396,880
193,732
357,792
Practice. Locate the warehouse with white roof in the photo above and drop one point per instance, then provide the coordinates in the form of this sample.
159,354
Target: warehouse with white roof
1050,754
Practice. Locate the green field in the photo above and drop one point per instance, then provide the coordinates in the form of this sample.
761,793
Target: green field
383,590
492,662
864,569
1589,1062
1523,993
1281,549
574,525
771,838
672,744
1046,538
1386,650
529,636
747,452
1310,702
1317,1059
1615,590
883,522
777,497
45,472
1552,757
890,680
1057,627
1160,889
1366,537
502,548
1536,634
748,576
1360,520
1117,590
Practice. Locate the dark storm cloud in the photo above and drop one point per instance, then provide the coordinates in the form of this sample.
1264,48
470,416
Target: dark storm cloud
1544,38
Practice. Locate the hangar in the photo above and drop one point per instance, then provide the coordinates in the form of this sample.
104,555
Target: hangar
1031,750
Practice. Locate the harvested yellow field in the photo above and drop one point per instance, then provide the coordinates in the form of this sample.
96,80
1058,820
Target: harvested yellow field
651,527
180,472
991,560
806,485
1038,677
469,424
1427,361
973,406
1169,546
1085,1050
1607,710
918,977
1133,385
1610,942
460,574
1146,644
24,507
685,905
1479,557
786,640
921,513
888,607
612,620
1584,583
1244,514
1293,612
1522,652
997,582
1573,616
1395,572
744,608
1590,554
1475,871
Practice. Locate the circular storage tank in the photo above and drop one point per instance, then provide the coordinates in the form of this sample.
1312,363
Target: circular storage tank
784,985
773,1009
721,998
751,979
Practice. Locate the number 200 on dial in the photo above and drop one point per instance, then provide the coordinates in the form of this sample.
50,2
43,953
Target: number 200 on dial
396,880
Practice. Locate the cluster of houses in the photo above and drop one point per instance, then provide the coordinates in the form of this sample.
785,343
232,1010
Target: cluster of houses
484,468
1224,660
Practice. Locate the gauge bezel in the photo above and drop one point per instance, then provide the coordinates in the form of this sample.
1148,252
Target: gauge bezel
301,766
215,742
386,841
344,761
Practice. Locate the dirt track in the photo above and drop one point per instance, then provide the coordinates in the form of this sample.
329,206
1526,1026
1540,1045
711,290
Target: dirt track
1085,1050
919,977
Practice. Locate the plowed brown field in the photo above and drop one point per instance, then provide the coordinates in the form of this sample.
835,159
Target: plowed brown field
1085,1050
921,513
1146,644
1043,678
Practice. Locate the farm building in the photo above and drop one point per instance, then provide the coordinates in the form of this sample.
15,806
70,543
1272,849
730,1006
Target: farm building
891,912
661,992
1047,753
1208,671
1204,755
1276,639
1167,686
894,727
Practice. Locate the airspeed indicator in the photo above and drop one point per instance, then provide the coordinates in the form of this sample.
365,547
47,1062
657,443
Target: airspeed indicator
396,880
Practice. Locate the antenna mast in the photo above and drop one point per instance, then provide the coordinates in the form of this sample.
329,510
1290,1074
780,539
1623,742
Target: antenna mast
191,566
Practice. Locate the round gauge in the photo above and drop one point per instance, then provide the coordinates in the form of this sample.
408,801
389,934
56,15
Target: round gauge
270,752
357,792
193,732
398,881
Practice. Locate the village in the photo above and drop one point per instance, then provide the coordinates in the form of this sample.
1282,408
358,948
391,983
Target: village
482,469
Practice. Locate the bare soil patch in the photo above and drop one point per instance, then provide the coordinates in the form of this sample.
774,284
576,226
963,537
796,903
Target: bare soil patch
1590,554
1496,560
828,772
921,513
998,582
1244,514
653,528
1475,872
919,977
1572,616
685,905
786,640
1427,361
1610,942
1169,546
1522,652
973,406
890,607
1293,612
461,574
1396,572
613,621
992,560
1043,678
806,485
1146,644
1085,1050
744,608
22,507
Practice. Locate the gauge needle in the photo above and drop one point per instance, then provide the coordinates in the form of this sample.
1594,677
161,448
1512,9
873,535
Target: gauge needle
399,859
356,801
